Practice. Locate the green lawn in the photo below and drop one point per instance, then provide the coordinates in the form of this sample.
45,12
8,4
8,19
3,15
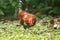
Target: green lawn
9,31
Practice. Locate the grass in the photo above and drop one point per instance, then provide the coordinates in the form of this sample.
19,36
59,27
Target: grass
9,31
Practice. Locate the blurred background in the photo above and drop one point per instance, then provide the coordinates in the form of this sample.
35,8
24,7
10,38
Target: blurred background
37,7
44,10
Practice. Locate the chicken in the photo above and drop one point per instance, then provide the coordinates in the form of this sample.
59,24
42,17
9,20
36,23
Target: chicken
26,18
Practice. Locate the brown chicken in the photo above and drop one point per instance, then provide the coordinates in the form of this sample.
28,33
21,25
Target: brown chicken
26,19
